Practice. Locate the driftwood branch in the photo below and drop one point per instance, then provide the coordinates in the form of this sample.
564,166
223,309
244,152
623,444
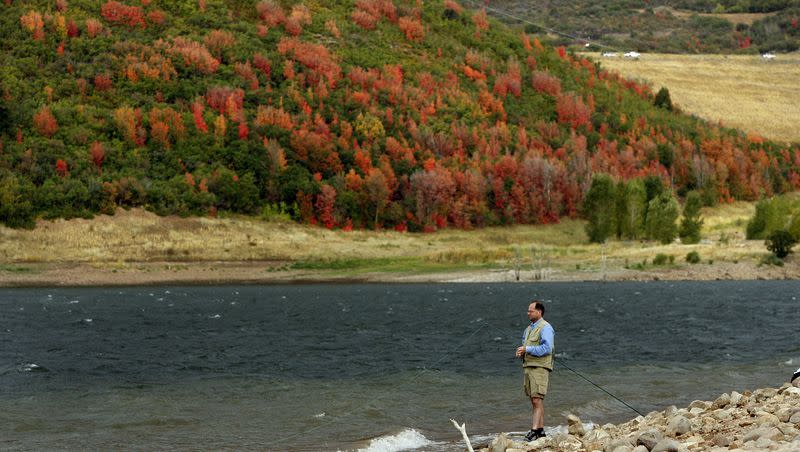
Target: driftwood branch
463,429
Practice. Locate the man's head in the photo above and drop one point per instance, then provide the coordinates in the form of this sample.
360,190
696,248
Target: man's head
535,310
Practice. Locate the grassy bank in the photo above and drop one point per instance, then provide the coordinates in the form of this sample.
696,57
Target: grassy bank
741,91
137,242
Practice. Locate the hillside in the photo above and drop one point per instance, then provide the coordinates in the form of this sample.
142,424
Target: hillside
373,113
740,91
683,26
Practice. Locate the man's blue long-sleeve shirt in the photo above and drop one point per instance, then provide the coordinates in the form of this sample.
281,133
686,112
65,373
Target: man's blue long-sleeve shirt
546,343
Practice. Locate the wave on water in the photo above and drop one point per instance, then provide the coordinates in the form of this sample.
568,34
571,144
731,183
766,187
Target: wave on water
408,439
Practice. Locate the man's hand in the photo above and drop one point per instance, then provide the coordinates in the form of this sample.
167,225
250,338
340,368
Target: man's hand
520,352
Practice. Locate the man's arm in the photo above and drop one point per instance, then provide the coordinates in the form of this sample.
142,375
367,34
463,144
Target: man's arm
546,345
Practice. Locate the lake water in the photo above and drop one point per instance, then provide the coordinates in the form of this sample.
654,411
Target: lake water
371,367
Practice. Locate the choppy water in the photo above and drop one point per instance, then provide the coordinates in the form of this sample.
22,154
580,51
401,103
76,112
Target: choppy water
373,367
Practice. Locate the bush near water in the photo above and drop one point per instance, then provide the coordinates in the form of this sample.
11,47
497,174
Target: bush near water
392,114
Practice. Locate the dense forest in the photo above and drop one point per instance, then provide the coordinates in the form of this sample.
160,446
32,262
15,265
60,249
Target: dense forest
669,26
349,114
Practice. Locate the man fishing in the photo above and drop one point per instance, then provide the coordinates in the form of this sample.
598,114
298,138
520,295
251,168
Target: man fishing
537,362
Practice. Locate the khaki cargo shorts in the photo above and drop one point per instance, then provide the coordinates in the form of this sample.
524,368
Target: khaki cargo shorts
536,381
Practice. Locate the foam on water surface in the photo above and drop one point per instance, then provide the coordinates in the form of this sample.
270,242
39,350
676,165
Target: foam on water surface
408,439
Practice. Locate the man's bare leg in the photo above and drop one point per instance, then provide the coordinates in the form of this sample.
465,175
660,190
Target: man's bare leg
537,407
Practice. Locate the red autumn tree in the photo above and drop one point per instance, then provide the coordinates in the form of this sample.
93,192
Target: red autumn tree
33,22
45,123
326,201
243,130
102,82
62,168
452,5
270,12
218,40
412,28
481,22
246,73
545,83
226,100
117,13
97,153
156,16
93,27
197,113
315,57
572,110
194,54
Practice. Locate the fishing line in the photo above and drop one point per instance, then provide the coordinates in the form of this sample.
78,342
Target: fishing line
375,399
561,363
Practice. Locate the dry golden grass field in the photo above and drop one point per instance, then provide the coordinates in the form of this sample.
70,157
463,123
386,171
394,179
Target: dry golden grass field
138,247
734,18
740,91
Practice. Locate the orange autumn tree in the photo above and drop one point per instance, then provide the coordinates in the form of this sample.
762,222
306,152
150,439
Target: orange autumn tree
45,123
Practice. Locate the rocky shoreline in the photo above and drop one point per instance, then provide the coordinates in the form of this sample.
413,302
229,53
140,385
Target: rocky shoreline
762,420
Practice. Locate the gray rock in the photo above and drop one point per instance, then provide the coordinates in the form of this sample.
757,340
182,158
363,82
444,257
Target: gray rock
575,426
767,419
678,425
765,393
795,418
695,412
789,430
764,443
721,440
500,444
785,413
796,382
649,439
722,415
640,449
670,411
699,404
792,391
614,445
770,433
736,399
722,401
597,435
666,445
623,449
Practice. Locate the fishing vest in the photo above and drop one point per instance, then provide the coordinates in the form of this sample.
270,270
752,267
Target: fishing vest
533,336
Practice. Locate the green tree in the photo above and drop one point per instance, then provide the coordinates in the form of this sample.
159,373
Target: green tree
653,186
662,99
780,242
16,210
794,225
662,214
767,218
598,208
691,223
630,207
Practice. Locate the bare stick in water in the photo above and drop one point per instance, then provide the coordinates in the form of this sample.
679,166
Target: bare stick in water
463,429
